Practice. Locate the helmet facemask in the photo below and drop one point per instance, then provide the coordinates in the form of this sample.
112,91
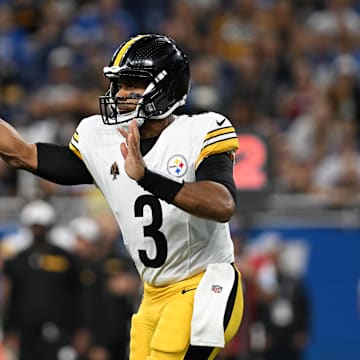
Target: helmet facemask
112,106
148,105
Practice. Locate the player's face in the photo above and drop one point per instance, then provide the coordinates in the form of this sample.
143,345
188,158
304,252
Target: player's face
128,91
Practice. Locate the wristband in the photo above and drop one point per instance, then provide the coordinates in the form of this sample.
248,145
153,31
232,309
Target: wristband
160,186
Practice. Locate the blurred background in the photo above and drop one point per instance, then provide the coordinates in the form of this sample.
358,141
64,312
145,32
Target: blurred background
286,73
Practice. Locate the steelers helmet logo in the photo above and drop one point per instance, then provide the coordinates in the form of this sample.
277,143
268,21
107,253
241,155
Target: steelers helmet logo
177,166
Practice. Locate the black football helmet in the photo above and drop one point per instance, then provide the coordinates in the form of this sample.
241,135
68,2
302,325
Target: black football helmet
155,58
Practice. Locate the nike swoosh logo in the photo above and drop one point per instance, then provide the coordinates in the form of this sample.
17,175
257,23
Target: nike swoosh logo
220,122
186,290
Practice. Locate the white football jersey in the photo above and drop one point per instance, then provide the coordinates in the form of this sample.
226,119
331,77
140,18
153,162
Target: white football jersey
166,243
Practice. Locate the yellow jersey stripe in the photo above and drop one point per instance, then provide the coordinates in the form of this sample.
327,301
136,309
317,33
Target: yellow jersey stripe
218,147
125,48
218,138
76,136
221,131
75,150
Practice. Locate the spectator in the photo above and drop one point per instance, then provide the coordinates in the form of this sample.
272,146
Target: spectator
286,314
337,176
109,285
57,101
41,290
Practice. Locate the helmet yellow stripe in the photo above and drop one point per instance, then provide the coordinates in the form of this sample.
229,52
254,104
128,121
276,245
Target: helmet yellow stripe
124,48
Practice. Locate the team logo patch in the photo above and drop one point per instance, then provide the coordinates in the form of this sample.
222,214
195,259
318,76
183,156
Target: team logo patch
177,166
114,170
216,289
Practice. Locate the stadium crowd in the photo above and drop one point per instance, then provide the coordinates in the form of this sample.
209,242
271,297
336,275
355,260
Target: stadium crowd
286,70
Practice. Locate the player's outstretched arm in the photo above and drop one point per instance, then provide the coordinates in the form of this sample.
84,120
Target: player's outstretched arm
40,158
15,150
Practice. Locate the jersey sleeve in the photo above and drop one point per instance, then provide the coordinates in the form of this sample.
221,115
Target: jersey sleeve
74,145
83,134
220,137
85,142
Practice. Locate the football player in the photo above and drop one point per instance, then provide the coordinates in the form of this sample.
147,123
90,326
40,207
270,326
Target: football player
168,180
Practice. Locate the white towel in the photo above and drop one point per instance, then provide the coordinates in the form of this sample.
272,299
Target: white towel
211,297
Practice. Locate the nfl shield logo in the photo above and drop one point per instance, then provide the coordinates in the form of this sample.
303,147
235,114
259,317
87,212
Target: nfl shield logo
216,289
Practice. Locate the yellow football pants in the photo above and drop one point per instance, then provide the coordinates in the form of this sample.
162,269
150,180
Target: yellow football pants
161,328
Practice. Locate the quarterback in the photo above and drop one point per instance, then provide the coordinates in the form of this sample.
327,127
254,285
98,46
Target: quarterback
168,180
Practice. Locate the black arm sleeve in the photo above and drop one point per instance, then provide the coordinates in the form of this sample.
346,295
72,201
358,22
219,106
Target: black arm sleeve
218,168
58,164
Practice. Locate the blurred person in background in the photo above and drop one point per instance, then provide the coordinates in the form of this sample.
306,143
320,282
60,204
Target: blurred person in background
337,176
55,105
40,292
109,288
182,23
296,98
8,185
240,346
235,29
283,308
338,20
104,21
207,86
344,92
310,137
15,51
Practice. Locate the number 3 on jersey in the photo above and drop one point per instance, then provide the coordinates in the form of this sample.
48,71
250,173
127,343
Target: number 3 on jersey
152,230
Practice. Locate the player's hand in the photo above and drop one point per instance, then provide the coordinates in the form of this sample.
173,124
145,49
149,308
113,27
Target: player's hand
130,150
